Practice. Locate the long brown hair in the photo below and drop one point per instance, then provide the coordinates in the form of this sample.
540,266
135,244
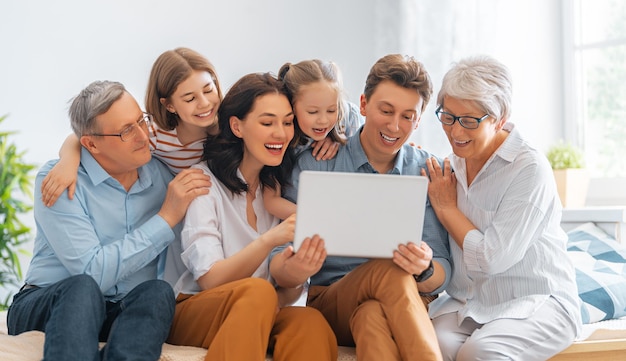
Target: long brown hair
223,152
169,70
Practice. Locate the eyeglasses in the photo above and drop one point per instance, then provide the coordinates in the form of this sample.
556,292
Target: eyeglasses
130,132
465,121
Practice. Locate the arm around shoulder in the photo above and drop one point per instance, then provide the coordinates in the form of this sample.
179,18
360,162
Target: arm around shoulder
63,175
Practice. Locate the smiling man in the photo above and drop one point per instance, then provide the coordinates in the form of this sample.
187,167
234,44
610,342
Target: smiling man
97,258
375,305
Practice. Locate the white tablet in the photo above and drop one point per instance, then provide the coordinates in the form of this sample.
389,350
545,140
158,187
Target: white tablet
360,214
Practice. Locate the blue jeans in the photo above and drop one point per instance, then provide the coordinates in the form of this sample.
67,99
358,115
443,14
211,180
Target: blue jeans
75,316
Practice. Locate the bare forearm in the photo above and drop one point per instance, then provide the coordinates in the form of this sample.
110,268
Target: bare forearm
238,266
456,223
280,207
70,150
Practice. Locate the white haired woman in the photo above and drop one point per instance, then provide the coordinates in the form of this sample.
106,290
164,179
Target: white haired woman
513,293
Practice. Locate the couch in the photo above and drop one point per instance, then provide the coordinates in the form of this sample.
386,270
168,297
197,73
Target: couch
600,341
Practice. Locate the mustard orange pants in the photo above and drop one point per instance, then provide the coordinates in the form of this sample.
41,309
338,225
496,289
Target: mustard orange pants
377,307
241,321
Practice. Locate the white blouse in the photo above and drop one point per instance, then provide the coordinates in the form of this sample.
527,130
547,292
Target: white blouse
216,227
516,258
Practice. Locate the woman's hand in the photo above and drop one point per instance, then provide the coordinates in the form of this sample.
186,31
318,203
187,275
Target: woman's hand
297,267
282,233
181,191
443,199
325,149
442,186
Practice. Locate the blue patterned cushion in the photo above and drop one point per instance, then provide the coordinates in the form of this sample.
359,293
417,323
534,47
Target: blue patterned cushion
600,264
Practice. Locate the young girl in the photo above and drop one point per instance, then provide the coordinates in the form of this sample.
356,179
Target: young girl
315,91
183,97
224,296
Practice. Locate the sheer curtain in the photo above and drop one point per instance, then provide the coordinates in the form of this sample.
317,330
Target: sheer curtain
437,33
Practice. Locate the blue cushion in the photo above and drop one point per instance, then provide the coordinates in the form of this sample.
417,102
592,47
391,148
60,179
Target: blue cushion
600,264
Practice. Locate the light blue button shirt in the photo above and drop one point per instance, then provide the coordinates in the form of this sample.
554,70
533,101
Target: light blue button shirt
351,158
108,233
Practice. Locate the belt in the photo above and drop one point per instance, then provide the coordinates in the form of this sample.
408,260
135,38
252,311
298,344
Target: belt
27,287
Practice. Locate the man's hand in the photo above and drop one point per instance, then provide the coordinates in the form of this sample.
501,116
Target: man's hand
413,259
184,188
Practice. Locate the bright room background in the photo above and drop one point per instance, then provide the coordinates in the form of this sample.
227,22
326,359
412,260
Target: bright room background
50,50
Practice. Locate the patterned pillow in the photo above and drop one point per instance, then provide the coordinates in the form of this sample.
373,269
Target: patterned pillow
600,264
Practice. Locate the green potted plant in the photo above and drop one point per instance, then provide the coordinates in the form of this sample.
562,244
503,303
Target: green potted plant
570,174
15,191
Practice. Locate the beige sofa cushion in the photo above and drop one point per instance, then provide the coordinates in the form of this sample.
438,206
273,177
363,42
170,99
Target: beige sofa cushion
28,346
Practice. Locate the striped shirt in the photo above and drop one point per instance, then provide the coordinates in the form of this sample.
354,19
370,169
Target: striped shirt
516,257
167,148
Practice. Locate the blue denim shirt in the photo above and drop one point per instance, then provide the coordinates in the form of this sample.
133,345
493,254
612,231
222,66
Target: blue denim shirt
351,158
108,233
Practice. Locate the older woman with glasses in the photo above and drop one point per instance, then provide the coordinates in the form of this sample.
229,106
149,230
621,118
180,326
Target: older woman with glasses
513,294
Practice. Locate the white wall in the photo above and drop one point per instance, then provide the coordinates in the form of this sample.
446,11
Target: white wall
52,49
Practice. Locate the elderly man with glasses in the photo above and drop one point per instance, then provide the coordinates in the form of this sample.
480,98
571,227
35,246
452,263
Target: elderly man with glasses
98,258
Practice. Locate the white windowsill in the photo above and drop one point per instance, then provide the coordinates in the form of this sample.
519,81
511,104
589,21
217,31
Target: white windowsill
606,192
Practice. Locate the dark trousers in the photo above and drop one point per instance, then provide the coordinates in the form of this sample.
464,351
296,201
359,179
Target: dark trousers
75,316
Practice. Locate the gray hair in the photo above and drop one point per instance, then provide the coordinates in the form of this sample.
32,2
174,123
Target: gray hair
92,101
482,80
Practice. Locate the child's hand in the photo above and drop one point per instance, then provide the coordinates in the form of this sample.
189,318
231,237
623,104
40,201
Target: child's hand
62,176
325,149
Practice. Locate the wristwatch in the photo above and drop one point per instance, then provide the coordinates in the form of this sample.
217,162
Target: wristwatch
426,274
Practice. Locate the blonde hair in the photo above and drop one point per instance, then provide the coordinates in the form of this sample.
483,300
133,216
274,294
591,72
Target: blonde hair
306,72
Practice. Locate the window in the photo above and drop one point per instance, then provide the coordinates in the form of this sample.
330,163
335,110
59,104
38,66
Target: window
595,76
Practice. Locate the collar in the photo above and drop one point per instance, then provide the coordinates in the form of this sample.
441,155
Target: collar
356,152
94,170
98,175
511,146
